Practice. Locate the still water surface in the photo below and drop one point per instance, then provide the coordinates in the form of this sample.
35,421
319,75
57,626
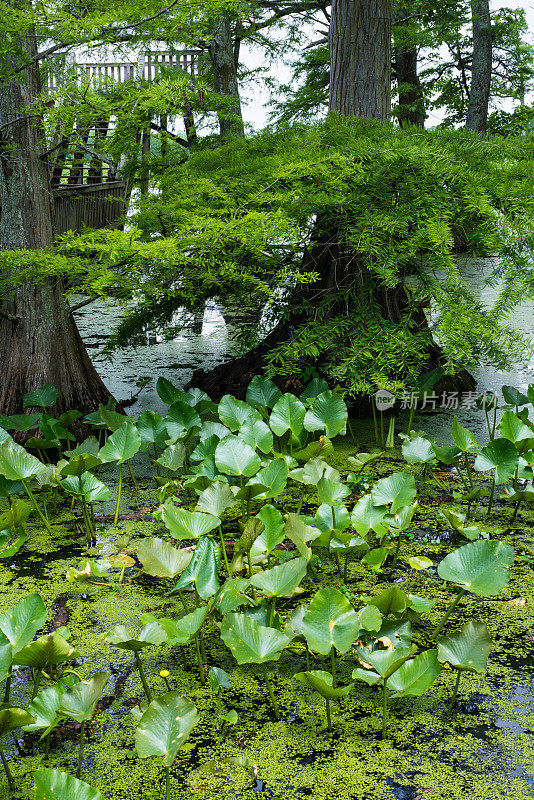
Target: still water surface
207,340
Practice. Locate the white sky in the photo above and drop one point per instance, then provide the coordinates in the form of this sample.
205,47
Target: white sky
254,100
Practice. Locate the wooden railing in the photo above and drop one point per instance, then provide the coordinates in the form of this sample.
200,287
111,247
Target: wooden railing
146,67
95,206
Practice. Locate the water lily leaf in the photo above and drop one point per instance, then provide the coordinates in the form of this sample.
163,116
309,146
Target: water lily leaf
300,534
172,457
327,412
513,396
500,455
89,446
212,428
45,651
233,413
272,533
390,601
16,464
420,604
376,557
322,683
44,708
216,499
463,438
121,445
79,464
232,595
79,701
51,784
467,649
250,642
152,429
180,419
168,392
330,622
10,546
332,492
219,679
183,524
262,393
420,562
315,387
281,581
311,473
322,448
360,460
415,676
17,515
88,486
165,727
43,398
202,569
19,422
257,434
182,631
151,634
481,567
394,633
384,662
367,516
513,428
233,456
418,451
329,519
397,489
370,618
161,559
287,415
273,478
21,623
12,717
447,455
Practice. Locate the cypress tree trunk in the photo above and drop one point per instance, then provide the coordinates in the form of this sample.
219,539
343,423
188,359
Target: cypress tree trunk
360,86
39,341
481,67
411,102
225,83
360,58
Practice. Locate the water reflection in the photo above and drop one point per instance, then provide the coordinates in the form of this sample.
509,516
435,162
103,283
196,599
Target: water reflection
206,339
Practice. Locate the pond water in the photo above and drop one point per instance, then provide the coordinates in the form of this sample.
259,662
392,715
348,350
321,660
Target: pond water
209,339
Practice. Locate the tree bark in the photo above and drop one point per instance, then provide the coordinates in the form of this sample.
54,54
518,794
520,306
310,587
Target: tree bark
360,58
481,67
360,86
39,341
225,82
411,109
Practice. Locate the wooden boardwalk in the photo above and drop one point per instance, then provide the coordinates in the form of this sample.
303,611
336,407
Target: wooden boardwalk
85,188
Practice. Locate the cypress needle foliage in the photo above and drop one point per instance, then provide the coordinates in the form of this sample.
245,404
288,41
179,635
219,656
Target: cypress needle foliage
406,205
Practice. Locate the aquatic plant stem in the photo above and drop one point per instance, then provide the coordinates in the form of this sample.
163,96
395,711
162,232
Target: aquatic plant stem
454,694
119,488
271,613
37,509
270,690
447,614
36,681
142,676
333,663
9,776
225,556
132,476
492,492
167,783
7,690
80,750
375,421
413,406
328,719
200,662
307,657
469,473
182,599
384,708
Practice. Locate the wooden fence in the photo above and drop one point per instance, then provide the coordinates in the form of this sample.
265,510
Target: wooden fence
95,206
